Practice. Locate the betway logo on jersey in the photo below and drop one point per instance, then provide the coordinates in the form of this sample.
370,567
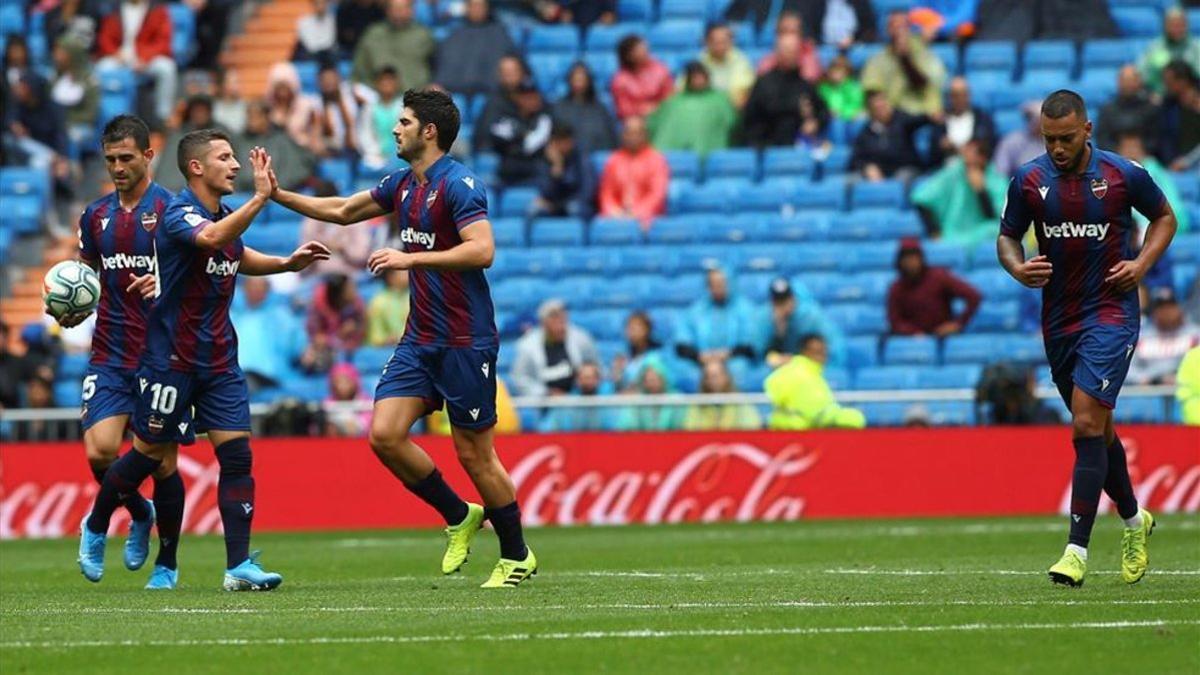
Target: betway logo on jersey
225,268
124,261
1070,230
411,236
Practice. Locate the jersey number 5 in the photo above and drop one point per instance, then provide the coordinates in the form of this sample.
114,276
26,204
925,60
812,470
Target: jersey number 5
162,399
89,387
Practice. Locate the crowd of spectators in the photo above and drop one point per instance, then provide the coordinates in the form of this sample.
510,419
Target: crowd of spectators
909,120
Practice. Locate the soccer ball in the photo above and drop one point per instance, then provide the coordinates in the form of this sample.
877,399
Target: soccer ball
70,287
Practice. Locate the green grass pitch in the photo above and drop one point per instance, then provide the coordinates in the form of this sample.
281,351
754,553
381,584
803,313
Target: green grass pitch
952,596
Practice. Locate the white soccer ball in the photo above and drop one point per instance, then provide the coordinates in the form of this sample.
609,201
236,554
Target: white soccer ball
70,287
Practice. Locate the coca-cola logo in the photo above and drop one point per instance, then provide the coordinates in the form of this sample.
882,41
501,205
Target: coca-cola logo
718,481
1166,488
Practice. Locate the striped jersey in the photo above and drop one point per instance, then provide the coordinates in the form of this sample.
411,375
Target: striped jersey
120,245
1084,226
189,327
447,308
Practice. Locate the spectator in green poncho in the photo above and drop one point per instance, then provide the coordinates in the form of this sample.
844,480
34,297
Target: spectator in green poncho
653,379
841,90
699,118
1131,146
961,203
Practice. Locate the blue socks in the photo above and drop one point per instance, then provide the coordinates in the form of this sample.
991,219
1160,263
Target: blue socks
1117,485
120,483
436,492
168,502
133,502
506,520
1088,480
235,499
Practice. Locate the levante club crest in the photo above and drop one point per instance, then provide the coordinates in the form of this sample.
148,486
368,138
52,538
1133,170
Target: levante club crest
149,220
1099,188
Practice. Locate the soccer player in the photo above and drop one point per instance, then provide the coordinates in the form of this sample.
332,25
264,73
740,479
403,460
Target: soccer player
116,237
1078,198
448,352
190,361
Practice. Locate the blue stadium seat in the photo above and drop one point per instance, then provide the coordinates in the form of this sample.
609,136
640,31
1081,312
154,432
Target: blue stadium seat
603,324
1188,184
183,32
886,377
995,283
306,387
859,319
733,229
634,10
1184,279
672,230
556,232
560,39
1050,55
622,291
843,132
700,257
1023,348
682,9
757,257
948,53
985,82
683,163
550,68
18,181
983,255
1010,97
678,291
865,286
732,163
644,259
676,34
21,214
946,254
822,195
868,256
951,413
820,257
1143,22
785,162
509,232
615,232
885,414
915,351
1008,120
836,162
824,286
12,19
1097,84
604,38
1111,52
118,86
876,225
861,52
862,351
515,201
949,377
769,196
754,285
67,393
715,196
995,317
1143,410
805,226
339,171
372,359
994,56
72,366
579,291
971,349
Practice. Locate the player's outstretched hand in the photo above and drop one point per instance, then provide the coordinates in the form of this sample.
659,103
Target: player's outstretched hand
260,161
70,320
388,259
307,254
1125,275
145,286
1034,272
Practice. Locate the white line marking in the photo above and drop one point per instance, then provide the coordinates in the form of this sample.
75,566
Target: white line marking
638,634
938,573
672,606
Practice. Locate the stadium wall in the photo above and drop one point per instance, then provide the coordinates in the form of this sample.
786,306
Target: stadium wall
605,479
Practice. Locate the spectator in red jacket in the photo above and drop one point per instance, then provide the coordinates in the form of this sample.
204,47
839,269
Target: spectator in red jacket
138,36
336,323
642,82
920,300
634,183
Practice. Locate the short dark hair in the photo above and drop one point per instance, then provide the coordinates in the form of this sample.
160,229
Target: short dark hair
810,337
625,48
126,126
714,26
562,129
1181,69
195,143
1062,103
386,70
431,106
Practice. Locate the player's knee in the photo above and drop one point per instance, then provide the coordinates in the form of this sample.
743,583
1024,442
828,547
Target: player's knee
1086,423
386,441
473,456
170,464
234,457
101,452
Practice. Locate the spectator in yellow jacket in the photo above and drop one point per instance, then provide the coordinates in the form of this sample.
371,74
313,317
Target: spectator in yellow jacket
508,421
1187,387
801,397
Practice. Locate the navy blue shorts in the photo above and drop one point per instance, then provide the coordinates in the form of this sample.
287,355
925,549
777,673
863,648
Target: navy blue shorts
463,378
109,392
167,401
1095,359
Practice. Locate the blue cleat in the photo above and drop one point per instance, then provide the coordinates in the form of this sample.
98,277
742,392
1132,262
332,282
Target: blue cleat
91,552
248,576
137,546
162,579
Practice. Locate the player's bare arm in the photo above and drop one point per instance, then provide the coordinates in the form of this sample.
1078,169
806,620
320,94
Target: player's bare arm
259,264
225,231
1033,273
476,251
340,210
1127,274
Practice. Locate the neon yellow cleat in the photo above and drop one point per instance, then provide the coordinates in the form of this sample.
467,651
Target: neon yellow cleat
1069,570
1134,556
458,539
510,573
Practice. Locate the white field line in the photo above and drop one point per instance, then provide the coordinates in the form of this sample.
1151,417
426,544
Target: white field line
669,606
637,634
938,573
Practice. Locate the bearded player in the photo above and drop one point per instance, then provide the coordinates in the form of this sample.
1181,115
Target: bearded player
116,238
448,352
190,361
1078,199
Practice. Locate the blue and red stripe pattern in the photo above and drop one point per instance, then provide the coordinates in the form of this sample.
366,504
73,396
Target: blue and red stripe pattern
447,308
119,244
1084,226
189,328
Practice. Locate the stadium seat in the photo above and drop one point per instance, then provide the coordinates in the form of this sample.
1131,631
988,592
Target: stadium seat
948,53
515,201
676,34
683,163
509,232
682,9
714,196
579,291
633,10
623,291
754,285
806,226
679,291
1143,410
995,317
861,52
862,351
22,214
968,349
859,319
615,232
835,163
1183,276
915,351
957,376
946,254
12,19
843,132
868,256
822,195
672,230
604,38
886,377
700,257
1023,348
591,259
183,32
819,257
17,181
68,393
557,39
886,414
556,232
995,283
732,163
1144,22
1097,85
603,324
372,359
876,225
1186,247
951,413
992,56
339,171
1188,184
785,162
757,257
550,68
72,366
733,229
306,387
644,259
770,196
1057,56
1008,120
1111,52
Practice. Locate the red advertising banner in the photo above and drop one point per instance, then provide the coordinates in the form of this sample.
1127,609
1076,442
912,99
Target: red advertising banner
324,483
